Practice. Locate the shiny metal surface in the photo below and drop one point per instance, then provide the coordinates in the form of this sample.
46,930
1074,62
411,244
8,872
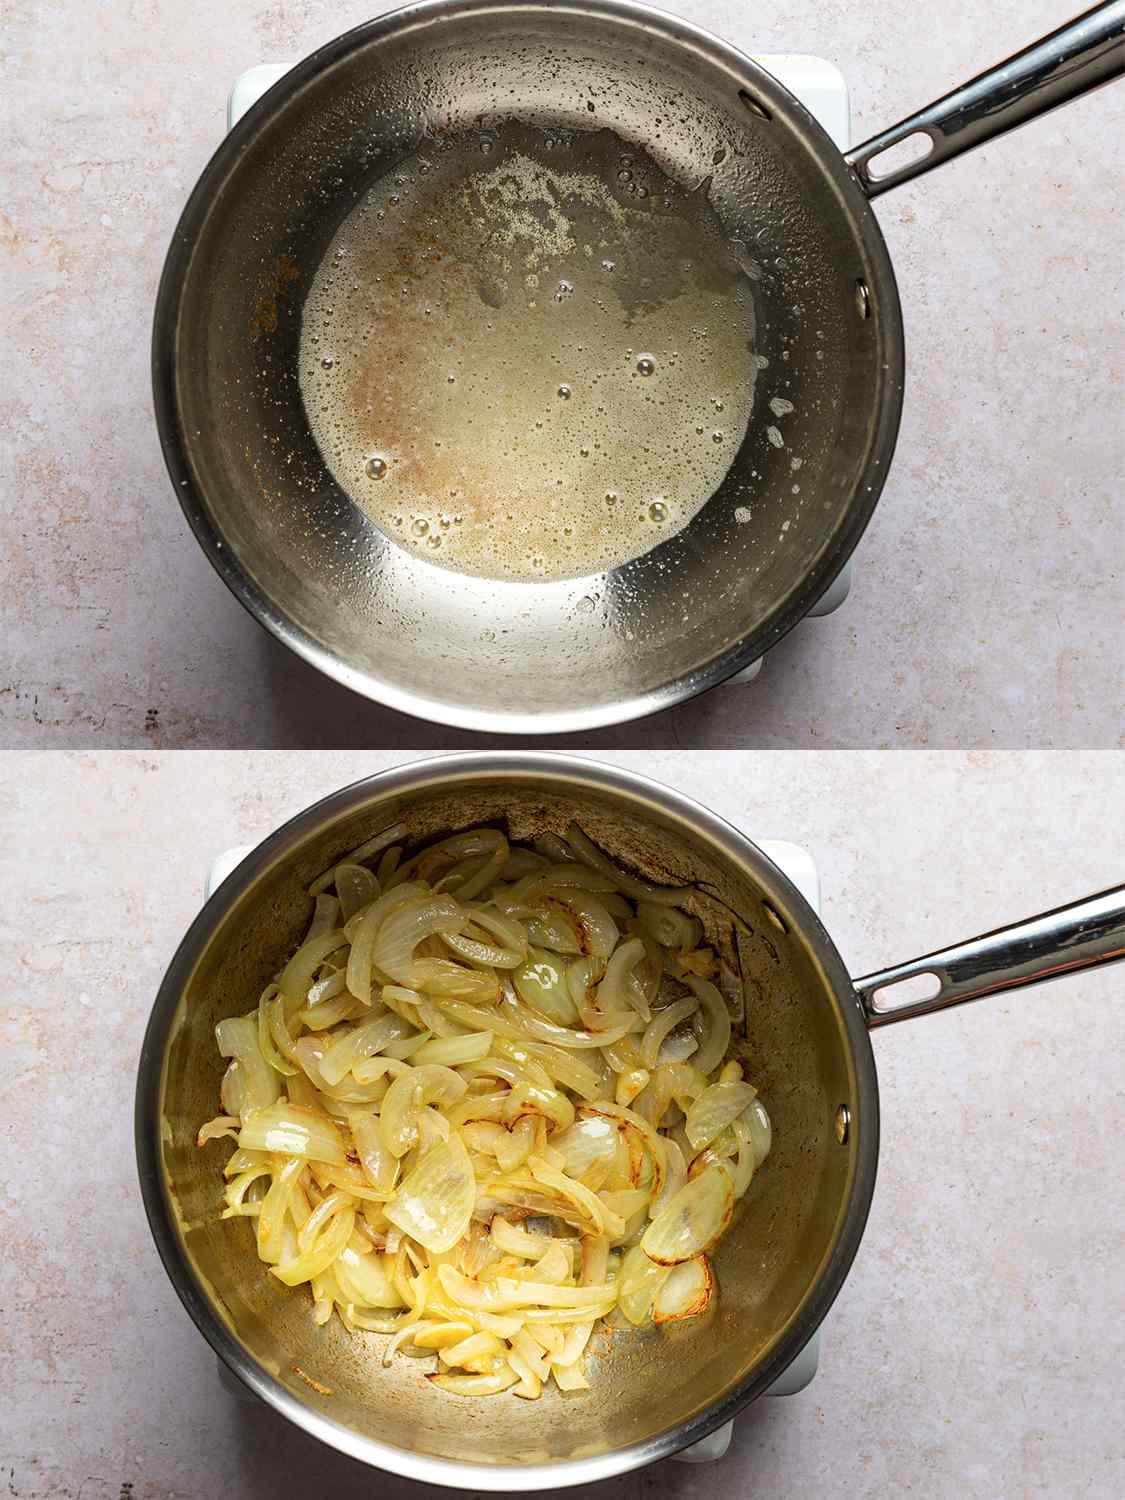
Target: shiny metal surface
1082,935
506,657
779,1267
1082,55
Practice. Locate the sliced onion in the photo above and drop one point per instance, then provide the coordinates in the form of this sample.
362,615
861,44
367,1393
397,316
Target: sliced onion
761,1132
331,1010
278,1061
434,1019
744,1166
308,1052
714,1110
216,1129
450,1051
512,941
362,930
512,1293
487,1107
531,1353
407,1046
553,931
366,1040
558,877
475,1385
525,1070
554,849
623,1056
675,1176
583,1076
435,1202
692,1220
321,1255
297,976
477,1351
375,1157
517,1145
663,1022
527,1024
626,1203
548,1103
326,912
541,983
394,1151
570,1377
595,932
443,979
250,1083
366,851
590,855
713,1047
522,862
442,1335
289,1130
408,1094
356,887
637,1284
552,1266
365,1280
652,1141
620,990
670,927
686,1293
583,976
489,955
604,1220
589,1140
677,1048
512,1240
630,1084
471,844
538,1318
405,927
372,1069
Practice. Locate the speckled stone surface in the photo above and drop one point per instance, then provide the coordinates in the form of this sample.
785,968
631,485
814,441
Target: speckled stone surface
977,1347
990,589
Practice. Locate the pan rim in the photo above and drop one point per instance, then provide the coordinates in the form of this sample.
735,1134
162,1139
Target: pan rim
417,775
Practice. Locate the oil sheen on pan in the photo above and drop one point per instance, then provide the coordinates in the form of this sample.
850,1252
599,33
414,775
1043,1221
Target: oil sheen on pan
529,354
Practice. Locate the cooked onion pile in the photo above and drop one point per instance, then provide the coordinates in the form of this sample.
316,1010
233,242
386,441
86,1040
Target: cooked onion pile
486,1103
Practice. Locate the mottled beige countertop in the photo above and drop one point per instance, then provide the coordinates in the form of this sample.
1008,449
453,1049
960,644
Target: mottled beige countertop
977,1348
989,590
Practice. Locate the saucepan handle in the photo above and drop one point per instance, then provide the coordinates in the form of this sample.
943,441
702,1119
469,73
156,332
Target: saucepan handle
1080,936
1087,52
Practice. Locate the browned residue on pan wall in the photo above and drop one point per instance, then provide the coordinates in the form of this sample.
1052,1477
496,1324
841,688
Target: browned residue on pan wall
270,303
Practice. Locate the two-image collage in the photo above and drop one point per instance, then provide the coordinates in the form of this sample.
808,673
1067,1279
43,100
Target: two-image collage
564,617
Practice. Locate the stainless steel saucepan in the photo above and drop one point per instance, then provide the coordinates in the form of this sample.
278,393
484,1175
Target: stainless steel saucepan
555,657
795,1234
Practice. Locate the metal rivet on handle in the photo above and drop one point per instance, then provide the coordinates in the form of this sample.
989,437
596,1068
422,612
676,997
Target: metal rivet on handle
863,299
753,105
843,1124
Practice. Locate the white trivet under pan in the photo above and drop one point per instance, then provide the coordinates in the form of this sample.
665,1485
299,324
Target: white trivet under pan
817,84
793,861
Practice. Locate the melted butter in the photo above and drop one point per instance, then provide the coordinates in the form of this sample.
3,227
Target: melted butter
529,355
